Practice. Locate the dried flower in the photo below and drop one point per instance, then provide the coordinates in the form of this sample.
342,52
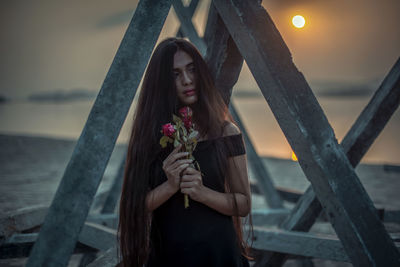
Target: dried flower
168,129
182,132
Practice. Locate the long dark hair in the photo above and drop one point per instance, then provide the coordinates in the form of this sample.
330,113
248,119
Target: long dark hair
157,102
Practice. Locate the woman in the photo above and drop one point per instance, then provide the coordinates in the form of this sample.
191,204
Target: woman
154,227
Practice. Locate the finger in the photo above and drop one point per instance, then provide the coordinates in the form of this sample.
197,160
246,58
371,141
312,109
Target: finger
176,150
178,163
190,178
191,170
188,184
180,169
170,158
186,191
179,155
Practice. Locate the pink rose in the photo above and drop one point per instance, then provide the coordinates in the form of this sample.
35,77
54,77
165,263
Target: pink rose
187,122
186,112
168,129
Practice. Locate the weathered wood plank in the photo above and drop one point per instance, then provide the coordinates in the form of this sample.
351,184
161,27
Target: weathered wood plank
268,217
22,219
304,214
107,258
299,243
225,63
191,9
392,216
115,191
82,176
223,57
312,245
93,237
98,236
309,134
384,101
289,195
20,245
187,26
109,220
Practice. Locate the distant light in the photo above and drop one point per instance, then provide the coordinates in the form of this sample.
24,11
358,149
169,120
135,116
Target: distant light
294,157
298,21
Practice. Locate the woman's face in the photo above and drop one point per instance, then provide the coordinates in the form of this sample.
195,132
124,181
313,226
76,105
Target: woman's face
185,78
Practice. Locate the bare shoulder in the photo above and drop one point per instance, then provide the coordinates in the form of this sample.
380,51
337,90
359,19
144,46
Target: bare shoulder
231,129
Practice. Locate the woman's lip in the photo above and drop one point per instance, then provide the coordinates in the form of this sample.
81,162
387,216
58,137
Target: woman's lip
190,92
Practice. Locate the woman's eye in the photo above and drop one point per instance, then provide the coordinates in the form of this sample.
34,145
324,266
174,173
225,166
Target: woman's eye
176,74
192,69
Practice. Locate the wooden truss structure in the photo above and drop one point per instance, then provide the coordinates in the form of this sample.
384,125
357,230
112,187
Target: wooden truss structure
236,30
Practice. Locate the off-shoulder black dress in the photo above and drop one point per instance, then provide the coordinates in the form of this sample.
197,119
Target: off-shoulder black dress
197,236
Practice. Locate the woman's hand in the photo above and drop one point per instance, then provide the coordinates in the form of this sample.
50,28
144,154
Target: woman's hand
192,184
173,166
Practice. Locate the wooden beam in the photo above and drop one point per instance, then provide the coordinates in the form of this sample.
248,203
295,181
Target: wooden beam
298,243
225,63
20,245
98,236
107,258
309,134
109,220
190,10
93,237
223,57
268,217
187,26
384,101
115,191
289,195
312,245
83,174
304,214
22,219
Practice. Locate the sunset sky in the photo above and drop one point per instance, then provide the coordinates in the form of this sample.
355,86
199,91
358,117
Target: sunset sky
345,50
48,45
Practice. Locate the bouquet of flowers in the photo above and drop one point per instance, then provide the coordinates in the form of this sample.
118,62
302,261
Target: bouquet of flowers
181,131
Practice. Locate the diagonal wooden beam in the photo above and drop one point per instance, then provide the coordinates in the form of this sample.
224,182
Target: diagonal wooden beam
223,57
225,63
22,219
309,134
190,9
187,26
115,190
108,258
83,174
367,127
322,246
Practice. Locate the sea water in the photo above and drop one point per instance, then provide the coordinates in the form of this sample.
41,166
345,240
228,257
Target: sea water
66,119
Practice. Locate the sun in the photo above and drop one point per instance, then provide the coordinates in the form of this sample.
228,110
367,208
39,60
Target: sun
298,21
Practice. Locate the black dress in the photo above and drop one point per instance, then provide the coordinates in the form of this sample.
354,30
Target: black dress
198,235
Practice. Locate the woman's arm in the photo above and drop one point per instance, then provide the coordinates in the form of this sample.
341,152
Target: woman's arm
222,202
173,165
159,195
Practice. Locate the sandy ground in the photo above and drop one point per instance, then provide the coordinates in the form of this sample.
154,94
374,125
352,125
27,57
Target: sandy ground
32,167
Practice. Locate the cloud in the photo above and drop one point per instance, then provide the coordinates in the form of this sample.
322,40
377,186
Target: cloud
59,95
343,89
120,18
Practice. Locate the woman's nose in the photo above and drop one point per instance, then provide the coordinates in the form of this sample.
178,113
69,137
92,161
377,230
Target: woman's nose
187,79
